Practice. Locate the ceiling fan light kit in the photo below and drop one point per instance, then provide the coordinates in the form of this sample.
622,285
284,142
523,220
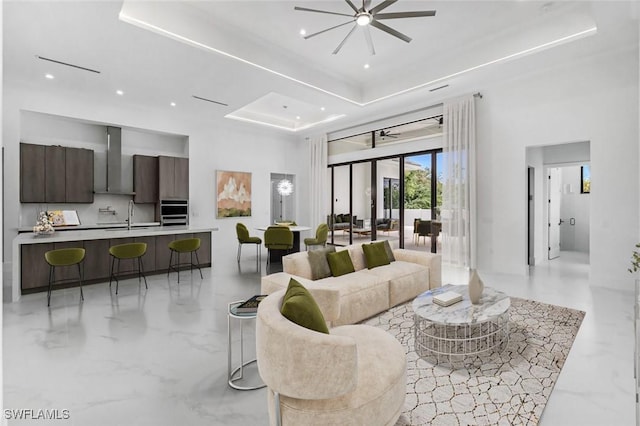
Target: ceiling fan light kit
363,17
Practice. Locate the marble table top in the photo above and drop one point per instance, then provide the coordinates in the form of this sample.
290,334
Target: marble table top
492,304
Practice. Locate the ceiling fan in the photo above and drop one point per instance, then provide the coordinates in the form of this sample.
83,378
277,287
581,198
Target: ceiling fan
387,134
366,16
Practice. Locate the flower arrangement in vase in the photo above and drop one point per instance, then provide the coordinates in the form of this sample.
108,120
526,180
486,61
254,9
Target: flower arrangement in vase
44,225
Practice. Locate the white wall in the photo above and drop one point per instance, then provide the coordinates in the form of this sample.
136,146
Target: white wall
592,99
213,144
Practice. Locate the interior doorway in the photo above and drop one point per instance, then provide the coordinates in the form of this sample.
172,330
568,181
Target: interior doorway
558,203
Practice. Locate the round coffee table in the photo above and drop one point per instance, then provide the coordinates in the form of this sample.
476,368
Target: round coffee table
461,329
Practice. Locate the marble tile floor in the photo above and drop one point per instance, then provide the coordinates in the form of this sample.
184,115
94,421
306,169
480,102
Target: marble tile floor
159,357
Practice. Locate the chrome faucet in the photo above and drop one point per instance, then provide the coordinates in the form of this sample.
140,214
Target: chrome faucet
130,214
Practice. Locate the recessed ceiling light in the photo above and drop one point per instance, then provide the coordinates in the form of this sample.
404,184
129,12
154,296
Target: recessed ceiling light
366,66
303,31
322,108
173,104
297,117
119,92
49,76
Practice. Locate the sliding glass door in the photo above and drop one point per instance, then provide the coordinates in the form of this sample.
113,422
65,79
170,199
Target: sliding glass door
387,199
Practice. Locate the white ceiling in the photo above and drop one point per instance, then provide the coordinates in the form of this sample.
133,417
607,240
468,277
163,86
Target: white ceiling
238,52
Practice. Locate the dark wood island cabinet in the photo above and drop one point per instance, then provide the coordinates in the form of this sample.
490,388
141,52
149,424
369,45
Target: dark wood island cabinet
33,270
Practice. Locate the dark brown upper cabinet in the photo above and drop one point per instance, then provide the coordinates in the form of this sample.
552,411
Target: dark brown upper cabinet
173,173
55,174
145,179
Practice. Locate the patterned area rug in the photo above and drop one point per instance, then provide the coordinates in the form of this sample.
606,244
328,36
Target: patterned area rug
500,388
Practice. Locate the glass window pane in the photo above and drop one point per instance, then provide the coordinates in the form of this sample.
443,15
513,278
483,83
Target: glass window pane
418,202
585,177
341,213
410,131
388,201
350,144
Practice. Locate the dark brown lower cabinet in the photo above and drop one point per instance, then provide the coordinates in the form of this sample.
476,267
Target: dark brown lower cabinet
204,253
34,269
149,258
97,262
162,251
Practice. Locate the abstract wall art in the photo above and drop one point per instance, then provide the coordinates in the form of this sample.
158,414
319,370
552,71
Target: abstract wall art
233,194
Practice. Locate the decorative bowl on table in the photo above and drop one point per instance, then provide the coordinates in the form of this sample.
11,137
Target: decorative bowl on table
284,223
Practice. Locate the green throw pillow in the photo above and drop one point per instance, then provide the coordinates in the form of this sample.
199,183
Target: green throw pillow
298,306
319,263
375,254
340,263
389,250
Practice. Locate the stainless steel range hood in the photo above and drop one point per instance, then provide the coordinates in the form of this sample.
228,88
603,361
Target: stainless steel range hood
114,163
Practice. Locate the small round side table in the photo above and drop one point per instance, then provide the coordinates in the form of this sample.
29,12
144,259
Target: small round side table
235,374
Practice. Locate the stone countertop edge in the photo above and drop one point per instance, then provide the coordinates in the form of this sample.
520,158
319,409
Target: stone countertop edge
103,234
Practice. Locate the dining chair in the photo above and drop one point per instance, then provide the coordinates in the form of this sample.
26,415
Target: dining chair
278,238
244,238
322,232
424,230
416,236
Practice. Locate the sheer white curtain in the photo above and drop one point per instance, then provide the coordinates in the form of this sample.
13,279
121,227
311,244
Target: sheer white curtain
318,179
459,188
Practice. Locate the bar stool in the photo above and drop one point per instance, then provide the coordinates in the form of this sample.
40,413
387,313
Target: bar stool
60,258
127,251
187,245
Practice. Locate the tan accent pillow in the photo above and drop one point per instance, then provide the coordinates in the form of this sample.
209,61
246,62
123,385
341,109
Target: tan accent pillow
319,263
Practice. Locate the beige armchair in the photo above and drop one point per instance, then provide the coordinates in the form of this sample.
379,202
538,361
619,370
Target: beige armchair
356,375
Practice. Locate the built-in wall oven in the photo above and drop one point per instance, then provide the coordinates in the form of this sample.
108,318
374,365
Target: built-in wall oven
174,212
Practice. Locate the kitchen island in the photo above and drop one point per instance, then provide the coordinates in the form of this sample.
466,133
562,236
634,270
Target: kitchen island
30,270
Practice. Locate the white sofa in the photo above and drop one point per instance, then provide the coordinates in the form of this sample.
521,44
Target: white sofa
365,292
356,375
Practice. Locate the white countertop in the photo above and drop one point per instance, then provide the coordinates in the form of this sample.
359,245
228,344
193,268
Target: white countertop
109,233
104,225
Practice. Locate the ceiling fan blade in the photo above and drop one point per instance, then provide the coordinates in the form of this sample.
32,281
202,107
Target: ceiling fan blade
304,9
328,29
383,5
345,40
366,4
396,15
389,30
367,37
352,6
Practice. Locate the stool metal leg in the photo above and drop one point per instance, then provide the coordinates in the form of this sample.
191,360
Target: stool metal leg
117,282
111,276
141,272
239,251
197,264
80,274
51,276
